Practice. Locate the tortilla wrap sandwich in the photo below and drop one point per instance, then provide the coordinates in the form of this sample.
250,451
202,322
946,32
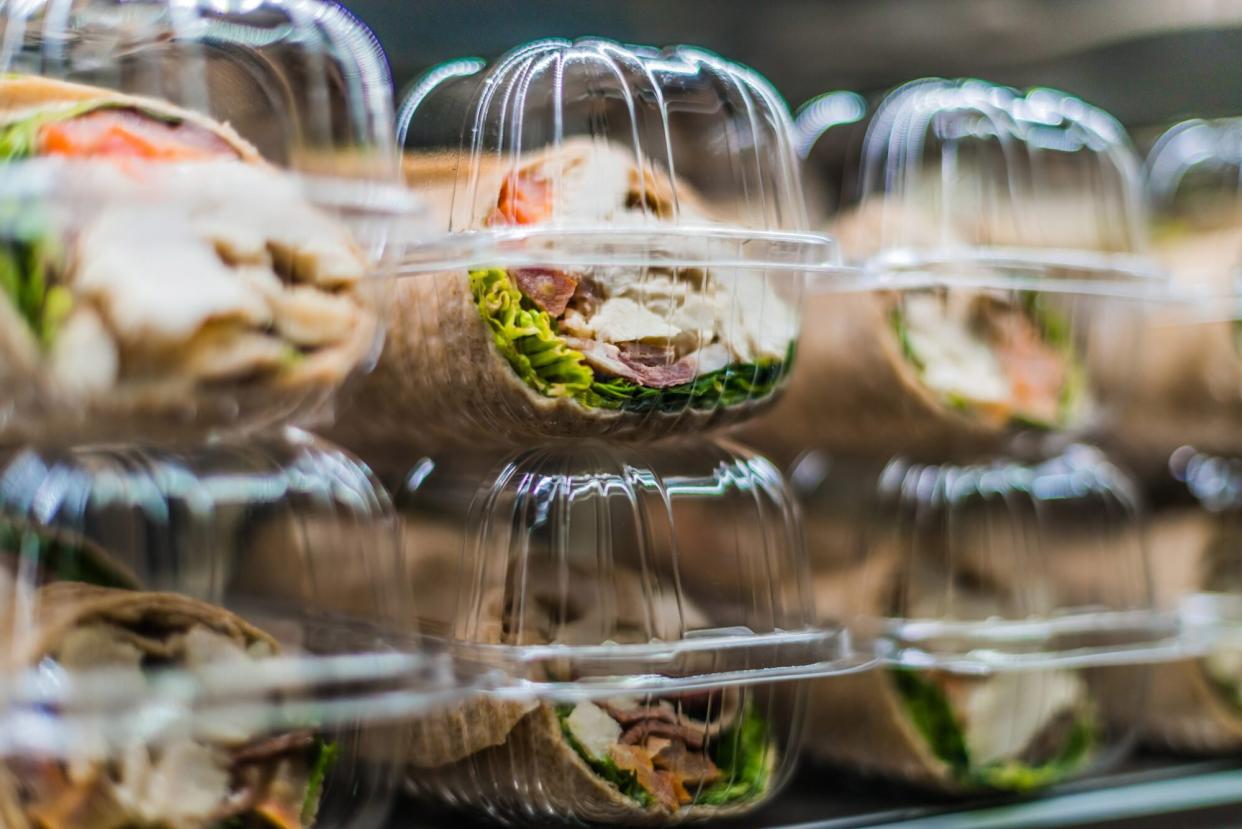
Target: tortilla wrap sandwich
206,287
496,356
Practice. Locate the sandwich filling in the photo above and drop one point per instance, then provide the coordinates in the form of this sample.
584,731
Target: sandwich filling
701,749
630,339
227,275
1017,732
1000,361
224,775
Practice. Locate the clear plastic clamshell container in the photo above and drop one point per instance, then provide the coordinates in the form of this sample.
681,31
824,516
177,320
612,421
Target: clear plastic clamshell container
164,664
629,246
1187,387
650,610
999,236
194,198
1009,605
1196,553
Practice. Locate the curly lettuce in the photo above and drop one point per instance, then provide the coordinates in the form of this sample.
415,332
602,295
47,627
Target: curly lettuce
929,709
527,338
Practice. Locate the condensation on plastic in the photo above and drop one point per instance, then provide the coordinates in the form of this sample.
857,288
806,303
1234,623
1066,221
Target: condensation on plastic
1014,594
645,203
599,577
302,82
1187,386
1196,554
289,533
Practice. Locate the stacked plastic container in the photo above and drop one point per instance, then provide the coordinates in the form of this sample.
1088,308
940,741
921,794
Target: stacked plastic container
930,423
195,211
628,254
1182,434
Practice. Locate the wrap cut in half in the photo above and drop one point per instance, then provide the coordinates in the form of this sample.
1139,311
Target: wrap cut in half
939,371
220,774
497,356
164,271
1196,704
953,732
634,760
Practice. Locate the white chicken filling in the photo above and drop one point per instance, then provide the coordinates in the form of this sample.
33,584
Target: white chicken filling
179,780
739,319
955,360
211,271
1005,714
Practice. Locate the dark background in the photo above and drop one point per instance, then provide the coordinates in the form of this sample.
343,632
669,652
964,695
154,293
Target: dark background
1148,62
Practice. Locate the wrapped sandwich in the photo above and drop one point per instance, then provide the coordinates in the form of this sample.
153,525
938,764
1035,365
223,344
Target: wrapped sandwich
634,760
500,355
154,270
939,371
1196,704
955,731
220,774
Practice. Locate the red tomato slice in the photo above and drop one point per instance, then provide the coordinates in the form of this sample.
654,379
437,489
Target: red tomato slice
119,133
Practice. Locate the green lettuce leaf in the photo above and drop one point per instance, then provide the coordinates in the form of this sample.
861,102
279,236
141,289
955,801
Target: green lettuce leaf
326,754
933,716
527,338
742,755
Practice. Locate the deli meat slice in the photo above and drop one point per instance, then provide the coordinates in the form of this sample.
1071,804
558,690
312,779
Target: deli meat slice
549,289
611,360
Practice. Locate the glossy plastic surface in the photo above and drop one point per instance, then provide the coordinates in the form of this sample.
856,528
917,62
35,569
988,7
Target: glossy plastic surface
1196,552
1010,605
651,609
1188,384
206,288
629,247
953,166
166,661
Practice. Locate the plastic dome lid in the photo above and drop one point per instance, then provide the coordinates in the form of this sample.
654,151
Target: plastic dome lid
152,623
303,81
627,253
683,157
1006,601
965,169
568,562
646,606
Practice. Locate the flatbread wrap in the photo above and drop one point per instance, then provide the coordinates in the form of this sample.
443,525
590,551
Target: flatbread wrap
497,356
942,372
168,273
222,775
949,731
1184,387
1196,704
638,760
